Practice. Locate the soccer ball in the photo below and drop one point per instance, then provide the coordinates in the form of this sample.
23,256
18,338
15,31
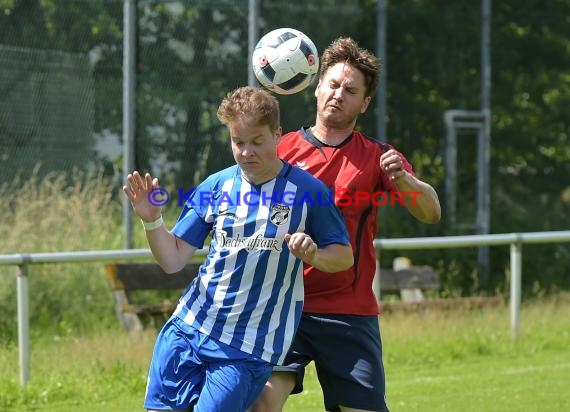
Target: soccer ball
285,61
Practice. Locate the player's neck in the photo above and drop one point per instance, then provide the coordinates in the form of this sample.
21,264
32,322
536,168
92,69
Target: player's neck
330,136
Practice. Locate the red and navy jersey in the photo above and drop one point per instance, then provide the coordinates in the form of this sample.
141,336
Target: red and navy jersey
352,171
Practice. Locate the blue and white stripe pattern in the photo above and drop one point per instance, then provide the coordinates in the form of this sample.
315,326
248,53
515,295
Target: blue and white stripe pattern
249,292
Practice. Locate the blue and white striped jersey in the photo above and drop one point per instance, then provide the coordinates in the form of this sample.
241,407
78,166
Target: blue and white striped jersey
249,292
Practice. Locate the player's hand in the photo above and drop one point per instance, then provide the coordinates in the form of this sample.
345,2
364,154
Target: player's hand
302,246
138,190
392,164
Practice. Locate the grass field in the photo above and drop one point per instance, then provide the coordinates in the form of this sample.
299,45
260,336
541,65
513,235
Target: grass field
435,361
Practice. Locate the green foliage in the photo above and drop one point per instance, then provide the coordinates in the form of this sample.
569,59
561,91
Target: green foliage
434,65
60,212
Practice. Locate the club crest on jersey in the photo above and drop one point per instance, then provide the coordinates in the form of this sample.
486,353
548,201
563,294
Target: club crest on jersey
279,214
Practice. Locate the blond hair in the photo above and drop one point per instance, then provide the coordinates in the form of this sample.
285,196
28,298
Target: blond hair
252,104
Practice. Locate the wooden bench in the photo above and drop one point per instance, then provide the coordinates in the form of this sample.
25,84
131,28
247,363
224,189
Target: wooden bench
144,294
442,304
412,282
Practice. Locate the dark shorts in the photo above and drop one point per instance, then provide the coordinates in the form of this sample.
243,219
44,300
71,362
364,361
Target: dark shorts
347,351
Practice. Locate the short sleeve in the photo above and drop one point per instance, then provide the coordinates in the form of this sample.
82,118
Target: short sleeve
192,225
325,223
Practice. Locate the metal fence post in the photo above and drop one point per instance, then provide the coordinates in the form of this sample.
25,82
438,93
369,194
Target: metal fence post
23,324
516,269
252,37
129,50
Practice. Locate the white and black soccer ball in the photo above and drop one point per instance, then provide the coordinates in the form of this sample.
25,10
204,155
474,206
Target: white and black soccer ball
285,61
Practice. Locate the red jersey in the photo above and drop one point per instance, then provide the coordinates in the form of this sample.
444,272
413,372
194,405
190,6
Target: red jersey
351,170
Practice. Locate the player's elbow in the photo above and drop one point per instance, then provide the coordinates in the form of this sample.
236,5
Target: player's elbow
428,213
170,268
433,217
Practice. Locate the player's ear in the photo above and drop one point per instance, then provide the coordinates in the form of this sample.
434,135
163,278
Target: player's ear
278,133
317,88
365,104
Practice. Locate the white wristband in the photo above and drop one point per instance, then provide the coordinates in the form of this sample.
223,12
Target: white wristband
155,224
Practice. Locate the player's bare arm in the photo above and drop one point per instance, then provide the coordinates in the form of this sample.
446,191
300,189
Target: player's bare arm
170,252
424,204
331,258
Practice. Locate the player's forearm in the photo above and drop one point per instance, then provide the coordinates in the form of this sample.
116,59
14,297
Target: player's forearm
422,201
171,253
333,258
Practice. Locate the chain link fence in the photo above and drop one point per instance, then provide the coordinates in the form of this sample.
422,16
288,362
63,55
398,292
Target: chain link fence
61,80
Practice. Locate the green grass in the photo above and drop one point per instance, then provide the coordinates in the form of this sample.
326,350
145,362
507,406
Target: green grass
435,361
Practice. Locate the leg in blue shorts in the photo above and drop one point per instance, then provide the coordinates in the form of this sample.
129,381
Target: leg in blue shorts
189,369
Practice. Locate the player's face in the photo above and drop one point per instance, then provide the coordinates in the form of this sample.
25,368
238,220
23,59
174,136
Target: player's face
341,96
255,150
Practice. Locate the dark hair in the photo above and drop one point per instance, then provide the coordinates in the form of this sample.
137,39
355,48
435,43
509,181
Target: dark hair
253,104
345,49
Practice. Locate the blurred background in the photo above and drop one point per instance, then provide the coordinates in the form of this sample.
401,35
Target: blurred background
62,112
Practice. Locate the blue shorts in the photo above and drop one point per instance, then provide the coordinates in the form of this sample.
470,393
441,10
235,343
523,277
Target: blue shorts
347,351
189,368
